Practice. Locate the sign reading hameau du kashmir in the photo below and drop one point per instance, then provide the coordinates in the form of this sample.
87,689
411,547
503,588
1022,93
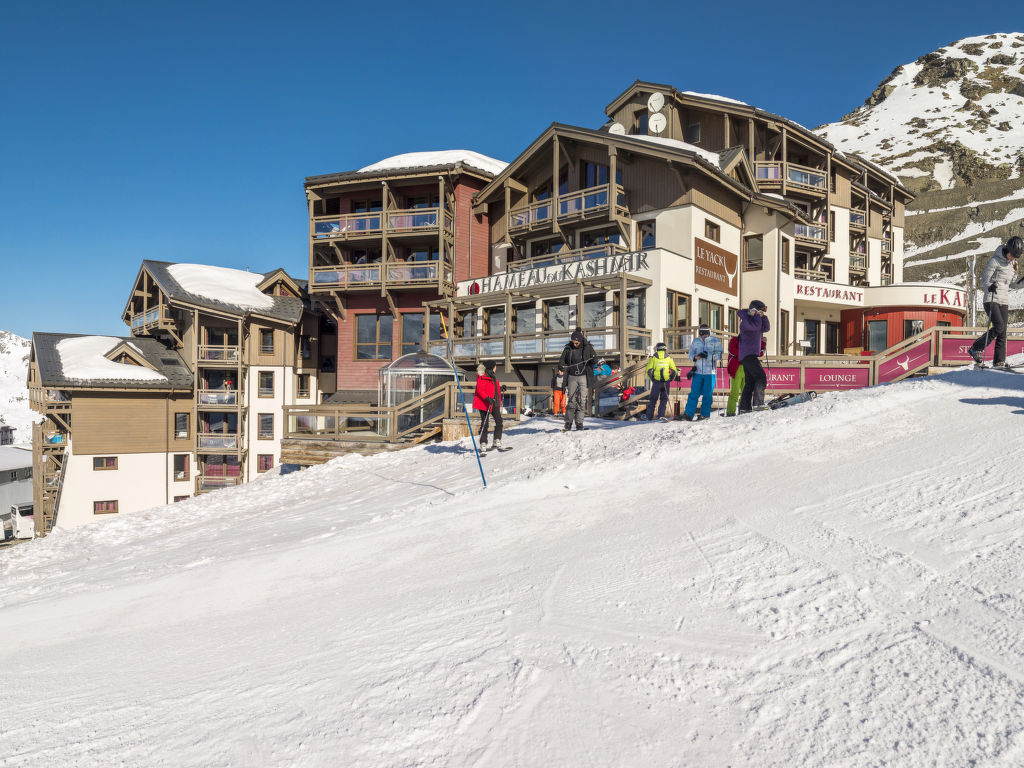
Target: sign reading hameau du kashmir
599,267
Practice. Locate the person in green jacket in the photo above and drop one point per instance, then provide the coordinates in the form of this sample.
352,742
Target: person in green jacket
661,370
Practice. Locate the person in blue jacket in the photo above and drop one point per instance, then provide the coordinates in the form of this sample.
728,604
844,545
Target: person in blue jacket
706,353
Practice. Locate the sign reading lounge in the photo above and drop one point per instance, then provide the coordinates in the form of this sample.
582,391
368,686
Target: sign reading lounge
605,265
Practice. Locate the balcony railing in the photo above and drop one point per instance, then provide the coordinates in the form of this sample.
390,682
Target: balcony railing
812,274
362,276
858,219
218,353
217,396
206,483
208,441
414,220
887,246
349,225
815,232
579,204
858,260
771,173
567,256
154,316
544,344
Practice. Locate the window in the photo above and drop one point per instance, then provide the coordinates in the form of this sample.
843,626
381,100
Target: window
305,347
811,337
783,332
556,315
525,319
104,507
373,337
712,231
878,335
636,308
832,226
595,311
593,174
711,314
266,427
693,133
677,310
828,266
753,253
785,255
912,328
494,321
366,256
366,206
266,384
421,201
412,332
640,120
734,321
648,230
266,341
181,426
832,338
832,181
303,385
599,237
264,462
181,466
181,498
102,462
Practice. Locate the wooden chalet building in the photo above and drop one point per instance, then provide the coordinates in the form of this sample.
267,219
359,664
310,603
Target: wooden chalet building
190,402
385,239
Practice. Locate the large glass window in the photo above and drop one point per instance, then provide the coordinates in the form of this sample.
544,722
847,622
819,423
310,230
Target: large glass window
648,234
878,335
266,383
636,308
600,237
595,311
677,310
266,427
466,324
832,338
525,319
753,253
711,313
495,321
556,315
811,332
412,332
181,426
373,337
181,466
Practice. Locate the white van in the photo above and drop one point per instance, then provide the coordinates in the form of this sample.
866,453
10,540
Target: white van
23,521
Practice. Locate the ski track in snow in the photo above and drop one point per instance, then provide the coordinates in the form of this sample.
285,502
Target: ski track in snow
833,584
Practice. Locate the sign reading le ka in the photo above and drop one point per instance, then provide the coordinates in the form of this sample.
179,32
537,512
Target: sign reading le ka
714,267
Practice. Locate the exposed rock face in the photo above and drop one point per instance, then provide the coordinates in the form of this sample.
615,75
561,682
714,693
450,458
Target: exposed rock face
950,125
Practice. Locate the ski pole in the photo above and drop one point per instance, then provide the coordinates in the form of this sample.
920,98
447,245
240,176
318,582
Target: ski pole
462,397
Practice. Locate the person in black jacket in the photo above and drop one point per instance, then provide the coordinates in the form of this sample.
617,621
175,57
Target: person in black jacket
577,365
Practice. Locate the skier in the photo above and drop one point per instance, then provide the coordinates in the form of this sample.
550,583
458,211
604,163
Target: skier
705,351
487,400
577,365
753,325
997,277
661,370
557,392
736,373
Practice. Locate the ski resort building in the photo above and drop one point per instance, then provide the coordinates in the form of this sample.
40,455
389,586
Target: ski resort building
190,402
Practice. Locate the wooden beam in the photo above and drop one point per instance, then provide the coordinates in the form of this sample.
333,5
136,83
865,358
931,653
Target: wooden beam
340,304
391,304
623,339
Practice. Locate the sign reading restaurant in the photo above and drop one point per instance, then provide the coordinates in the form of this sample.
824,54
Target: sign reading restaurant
607,265
715,268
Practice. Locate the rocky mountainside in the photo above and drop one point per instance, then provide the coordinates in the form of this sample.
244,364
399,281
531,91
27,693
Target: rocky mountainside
14,407
951,126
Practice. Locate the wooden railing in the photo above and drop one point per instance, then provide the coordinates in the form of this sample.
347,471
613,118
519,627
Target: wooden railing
579,204
154,316
401,221
545,344
219,353
567,256
398,273
858,219
219,441
817,233
812,274
772,173
349,225
887,246
206,483
858,260
678,340
217,397
45,400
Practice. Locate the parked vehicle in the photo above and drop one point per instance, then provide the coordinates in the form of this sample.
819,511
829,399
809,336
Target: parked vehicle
23,521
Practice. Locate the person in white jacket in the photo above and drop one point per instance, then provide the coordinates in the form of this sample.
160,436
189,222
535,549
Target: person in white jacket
706,353
999,273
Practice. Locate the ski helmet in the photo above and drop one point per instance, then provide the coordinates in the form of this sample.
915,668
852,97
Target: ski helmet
758,305
704,330
660,347
1014,247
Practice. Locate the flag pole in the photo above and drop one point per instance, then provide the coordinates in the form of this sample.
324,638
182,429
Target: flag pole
462,396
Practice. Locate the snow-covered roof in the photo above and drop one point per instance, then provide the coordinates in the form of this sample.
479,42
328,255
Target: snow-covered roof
441,157
14,457
715,97
82,357
228,286
711,157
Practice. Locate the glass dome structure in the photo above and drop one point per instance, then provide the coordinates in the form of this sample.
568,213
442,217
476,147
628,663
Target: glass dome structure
407,378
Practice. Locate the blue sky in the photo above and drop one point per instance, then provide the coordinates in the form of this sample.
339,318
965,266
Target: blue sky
183,131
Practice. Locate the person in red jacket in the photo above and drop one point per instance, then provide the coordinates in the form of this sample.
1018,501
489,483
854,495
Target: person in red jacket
487,400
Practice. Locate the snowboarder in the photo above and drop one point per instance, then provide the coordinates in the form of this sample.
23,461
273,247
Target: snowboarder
577,365
753,325
997,277
705,351
661,370
487,400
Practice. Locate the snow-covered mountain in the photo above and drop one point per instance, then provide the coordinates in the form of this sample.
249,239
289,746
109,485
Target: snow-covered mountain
14,407
951,126
833,584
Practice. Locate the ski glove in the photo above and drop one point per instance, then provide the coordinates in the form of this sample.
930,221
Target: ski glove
702,356
689,373
489,401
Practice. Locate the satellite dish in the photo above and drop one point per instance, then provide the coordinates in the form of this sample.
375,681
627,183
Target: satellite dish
618,129
657,123
656,102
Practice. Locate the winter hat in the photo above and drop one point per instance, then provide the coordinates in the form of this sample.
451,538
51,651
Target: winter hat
577,335
759,305
704,330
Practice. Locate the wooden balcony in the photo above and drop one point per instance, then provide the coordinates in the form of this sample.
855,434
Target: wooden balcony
218,354
402,221
858,220
48,400
567,256
858,261
771,175
207,483
394,274
819,275
157,317
887,246
219,442
545,345
606,200
812,234
217,398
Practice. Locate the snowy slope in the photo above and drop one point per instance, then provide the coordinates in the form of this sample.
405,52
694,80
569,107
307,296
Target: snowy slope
834,584
14,408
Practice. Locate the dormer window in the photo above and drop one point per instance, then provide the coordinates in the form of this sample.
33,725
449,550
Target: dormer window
640,122
693,133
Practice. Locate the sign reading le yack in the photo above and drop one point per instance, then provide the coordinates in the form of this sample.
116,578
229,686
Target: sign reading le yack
715,268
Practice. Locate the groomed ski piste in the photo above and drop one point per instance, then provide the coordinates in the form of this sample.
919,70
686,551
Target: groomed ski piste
834,584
